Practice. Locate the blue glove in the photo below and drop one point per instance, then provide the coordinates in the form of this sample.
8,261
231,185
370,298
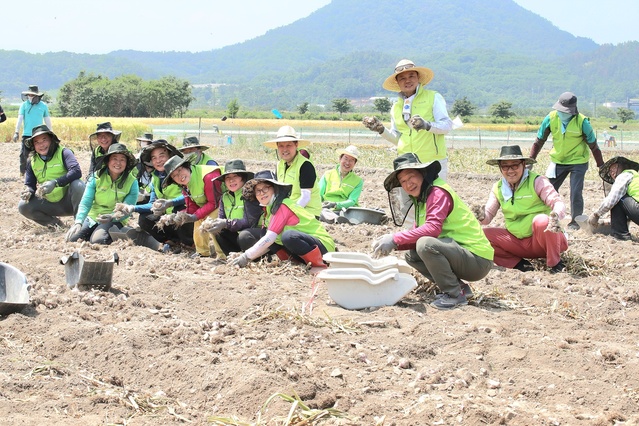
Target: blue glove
383,245
241,261
47,187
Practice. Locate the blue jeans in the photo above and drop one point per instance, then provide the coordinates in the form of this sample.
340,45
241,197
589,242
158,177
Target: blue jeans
577,174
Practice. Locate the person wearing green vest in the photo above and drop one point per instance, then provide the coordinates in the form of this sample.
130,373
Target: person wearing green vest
167,199
340,187
105,136
287,230
143,171
53,185
191,146
446,243
572,137
112,183
296,169
532,210
235,212
623,199
202,196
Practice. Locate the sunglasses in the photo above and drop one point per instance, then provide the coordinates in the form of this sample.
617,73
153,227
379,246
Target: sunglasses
404,68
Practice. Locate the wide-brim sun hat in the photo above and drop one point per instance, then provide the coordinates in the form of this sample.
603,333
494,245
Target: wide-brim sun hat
510,152
626,163
236,167
147,137
33,90
425,75
39,130
145,155
192,142
566,103
350,150
286,134
106,128
172,165
248,191
405,162
118,148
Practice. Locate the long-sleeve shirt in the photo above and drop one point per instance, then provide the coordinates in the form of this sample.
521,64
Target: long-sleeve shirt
69,161
618,190
252,213
212,190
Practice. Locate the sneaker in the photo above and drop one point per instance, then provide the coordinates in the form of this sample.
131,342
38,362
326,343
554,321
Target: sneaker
560,267
466,290
622,237
524,266
573,226
446,301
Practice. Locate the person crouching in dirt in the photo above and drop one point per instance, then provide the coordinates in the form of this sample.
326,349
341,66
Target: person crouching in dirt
288,230
201,194
235,212
446,243
623,199
143,171
532,210
296,169
340,187
105,137
53,183
112,183
191,146
163,199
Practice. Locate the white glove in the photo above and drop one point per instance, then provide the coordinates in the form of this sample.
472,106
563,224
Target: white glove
593,220
479,211
240,259
372,123
418,123
26,193
383,245
75,228
160,205
124,208
553,223
329,205
218,226
15,137
48,187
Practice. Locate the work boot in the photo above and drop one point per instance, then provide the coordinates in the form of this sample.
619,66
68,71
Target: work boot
283,255
314,258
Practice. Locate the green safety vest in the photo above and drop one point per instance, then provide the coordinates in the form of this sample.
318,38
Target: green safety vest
170,192
50,170
233,204
308,224
195,187
521,209
428,146
460,225
291,175
338,188
633,187
570,147
108,193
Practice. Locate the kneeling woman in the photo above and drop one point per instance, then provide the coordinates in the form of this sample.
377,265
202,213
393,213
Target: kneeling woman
288,230
112,183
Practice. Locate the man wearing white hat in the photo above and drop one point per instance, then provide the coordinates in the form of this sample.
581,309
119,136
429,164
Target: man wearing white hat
419,119
340,187
297,170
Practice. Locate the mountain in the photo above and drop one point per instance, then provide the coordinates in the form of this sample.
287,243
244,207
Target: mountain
484,50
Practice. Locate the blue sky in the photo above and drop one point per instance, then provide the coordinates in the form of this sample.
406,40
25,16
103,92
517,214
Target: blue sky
200,25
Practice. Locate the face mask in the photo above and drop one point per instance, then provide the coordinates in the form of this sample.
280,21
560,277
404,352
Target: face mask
564,116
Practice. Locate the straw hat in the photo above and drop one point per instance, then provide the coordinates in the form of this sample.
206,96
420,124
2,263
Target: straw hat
286,134
350,150
405,162
425,75
510,152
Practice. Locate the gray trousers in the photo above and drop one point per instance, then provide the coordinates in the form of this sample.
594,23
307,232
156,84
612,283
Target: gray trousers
577,175
46,213
445,262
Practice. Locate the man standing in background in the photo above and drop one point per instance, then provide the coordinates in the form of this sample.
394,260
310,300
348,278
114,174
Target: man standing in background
33,112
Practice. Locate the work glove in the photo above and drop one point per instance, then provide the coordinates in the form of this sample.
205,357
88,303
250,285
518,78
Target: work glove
383,246
479,211
182,217
104,218
418,123
160,205
553,223
26,193
218,226
329,205
75,228
15,137
372,123
238,259
124,208
593,220
48,187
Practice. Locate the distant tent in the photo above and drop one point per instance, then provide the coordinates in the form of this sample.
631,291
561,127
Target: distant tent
277,114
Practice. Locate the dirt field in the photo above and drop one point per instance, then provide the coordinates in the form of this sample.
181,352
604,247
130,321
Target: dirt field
182,340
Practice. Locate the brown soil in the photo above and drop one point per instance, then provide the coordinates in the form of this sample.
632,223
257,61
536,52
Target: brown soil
181,340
